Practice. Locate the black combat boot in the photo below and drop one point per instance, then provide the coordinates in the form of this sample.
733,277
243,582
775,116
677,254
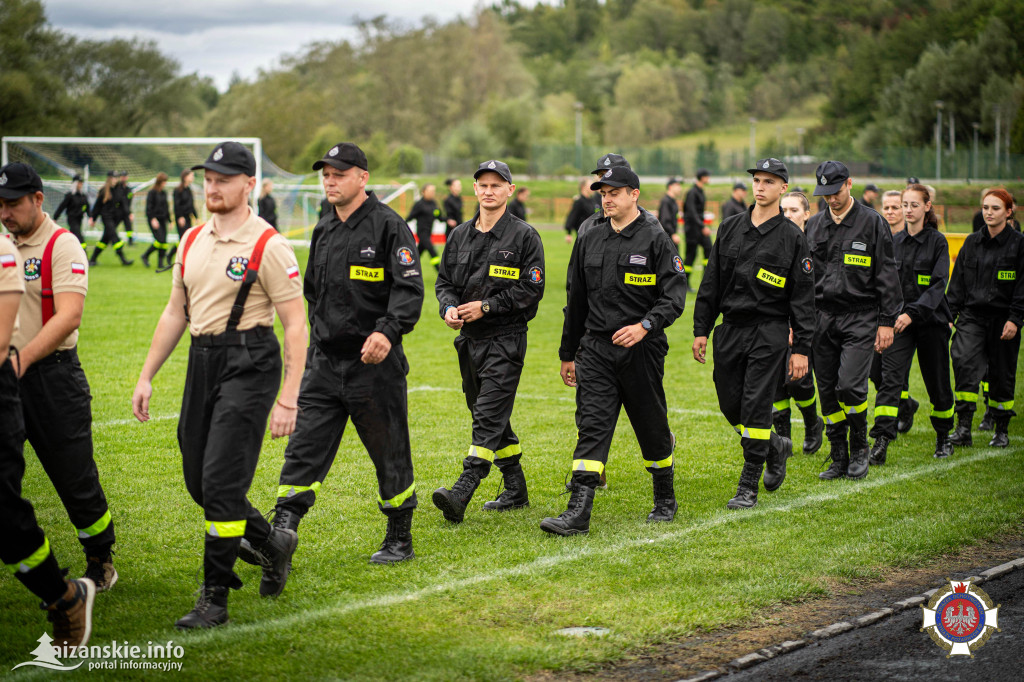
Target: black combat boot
145,255
988,422
211,609
664,496
782,422
120,254
879,451
1001,438
276,553
780,448
905,415
96,251
859,451
746,492
943,448
814,428
283,518
397,545
514,495
575,520
453,503
839,453
962,435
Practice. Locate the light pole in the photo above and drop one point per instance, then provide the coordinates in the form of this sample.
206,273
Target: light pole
753,140
938,139
578,106
974,152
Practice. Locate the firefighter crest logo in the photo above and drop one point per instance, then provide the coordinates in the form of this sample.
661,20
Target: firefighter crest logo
536,275
236,268
677,263
960,618
405,256
33,269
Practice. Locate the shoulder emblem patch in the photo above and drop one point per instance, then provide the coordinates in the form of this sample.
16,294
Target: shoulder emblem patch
536,275
677,263
405,256
807,265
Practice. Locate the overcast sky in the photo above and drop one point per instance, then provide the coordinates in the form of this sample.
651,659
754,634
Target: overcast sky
221,37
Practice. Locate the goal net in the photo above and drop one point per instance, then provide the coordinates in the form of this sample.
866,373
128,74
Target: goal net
58,159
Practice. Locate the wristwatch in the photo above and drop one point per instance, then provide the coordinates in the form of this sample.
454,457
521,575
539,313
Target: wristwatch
646,324
485,306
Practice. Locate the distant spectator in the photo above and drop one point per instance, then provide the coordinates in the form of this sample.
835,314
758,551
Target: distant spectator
736,203
871,193
452,205
266,204
892,210
517,206
668,211
582,208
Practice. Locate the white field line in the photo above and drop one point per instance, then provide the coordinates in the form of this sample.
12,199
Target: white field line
419,389
830,493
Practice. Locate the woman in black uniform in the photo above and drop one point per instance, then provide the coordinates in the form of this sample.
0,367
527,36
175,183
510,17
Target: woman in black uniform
922,260
986,297
184,211
157,216
453,205
796,207
108,209
425,212
76,203
267,205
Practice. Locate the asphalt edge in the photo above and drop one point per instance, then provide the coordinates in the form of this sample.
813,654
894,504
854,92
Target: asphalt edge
762,655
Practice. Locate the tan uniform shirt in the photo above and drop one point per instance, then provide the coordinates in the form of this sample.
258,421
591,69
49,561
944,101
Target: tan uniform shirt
11,280
837,218
70,274
214,270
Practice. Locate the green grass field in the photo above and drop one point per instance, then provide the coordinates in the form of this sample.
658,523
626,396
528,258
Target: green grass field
483,600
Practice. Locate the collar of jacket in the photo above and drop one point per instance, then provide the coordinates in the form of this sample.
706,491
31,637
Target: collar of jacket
1000,239
353,220
768,225
498,229
850,218
629,230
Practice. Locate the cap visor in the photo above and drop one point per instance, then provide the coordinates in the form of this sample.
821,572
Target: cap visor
16,193
217,168
610,183
827,190
476,176
340,165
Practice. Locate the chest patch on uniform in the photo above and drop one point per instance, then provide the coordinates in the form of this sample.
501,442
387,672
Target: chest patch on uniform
405,256
507,273
807,265
366,274
368,252
924,280
236,268
1001,275
854,259
641,280
506,254
638,260
677,263
536,275
33,269
772,279
860,246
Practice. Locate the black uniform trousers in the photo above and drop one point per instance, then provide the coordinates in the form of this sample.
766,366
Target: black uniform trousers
159,233
25,549
801,390
695,238
426,243
75,226
748,361
56,404
876,378
932,345
843,347
610,378
109,237
230,386
490,377
334,389
976,349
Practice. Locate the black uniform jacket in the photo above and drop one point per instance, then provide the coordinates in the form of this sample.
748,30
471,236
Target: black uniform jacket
758,274
988,277
424,212
668,214
693,210
582,208
732,207
923,264
156,206
77,206
268,209
123,196
503,266
453,208
108,209
619,279
517,208
183,204
326,208
854,267
362,277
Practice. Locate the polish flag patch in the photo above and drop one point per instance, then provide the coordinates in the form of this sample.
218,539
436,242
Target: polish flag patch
293,271
78,268
7,261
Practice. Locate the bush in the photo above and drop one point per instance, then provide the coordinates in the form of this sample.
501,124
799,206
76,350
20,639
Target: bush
407,159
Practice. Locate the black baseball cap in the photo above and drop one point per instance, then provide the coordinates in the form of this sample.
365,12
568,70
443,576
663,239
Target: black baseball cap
831,175
610,161
230,158
124,174
618,176
672,181
77,178
740,185
871,187
343,156
494,166
773,166
113,174
701,172
19,179
913,181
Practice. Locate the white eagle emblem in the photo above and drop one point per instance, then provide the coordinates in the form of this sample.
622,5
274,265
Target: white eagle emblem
765,165
960,622
491,165
3,179
333,152
824,180
218,155
607,161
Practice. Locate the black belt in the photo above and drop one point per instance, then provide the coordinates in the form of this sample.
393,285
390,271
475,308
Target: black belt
58,357
233,338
